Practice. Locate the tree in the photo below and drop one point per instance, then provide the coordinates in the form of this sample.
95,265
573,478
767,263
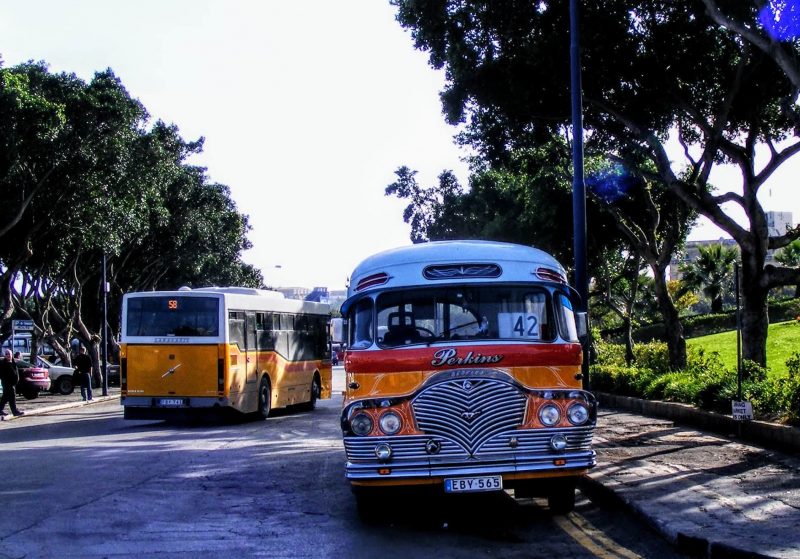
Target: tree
790,256
711,272
652,70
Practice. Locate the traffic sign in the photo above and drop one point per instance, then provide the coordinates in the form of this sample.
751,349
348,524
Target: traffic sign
22,325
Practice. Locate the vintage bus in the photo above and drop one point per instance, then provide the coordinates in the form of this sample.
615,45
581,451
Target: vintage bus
191,352
463,373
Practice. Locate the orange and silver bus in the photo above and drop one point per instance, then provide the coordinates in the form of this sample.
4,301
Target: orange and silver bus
463,373
190,352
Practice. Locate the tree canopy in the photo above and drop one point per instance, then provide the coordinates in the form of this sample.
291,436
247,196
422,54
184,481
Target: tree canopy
653,71
83,174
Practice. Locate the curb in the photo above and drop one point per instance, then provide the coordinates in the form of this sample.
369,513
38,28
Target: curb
772,435
598,489
58,407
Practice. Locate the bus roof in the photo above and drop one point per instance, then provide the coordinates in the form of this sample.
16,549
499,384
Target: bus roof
243,298
462,261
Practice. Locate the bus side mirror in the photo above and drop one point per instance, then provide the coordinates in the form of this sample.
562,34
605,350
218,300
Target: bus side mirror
582,324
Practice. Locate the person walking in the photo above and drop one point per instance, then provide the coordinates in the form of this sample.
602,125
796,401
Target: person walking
83,364
9,376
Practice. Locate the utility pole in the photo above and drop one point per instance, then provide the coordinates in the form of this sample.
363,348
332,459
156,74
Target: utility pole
578,184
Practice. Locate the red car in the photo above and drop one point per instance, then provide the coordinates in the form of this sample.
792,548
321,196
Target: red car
32,380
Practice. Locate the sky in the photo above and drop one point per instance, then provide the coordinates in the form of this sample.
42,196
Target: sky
307,109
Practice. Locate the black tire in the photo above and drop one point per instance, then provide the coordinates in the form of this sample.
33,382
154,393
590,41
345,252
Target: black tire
561,498
264,398
64,385
30,394
316,390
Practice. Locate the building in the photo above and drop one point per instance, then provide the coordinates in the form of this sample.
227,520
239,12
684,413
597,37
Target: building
777,222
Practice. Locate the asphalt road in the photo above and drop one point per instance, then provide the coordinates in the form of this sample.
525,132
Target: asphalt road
87,483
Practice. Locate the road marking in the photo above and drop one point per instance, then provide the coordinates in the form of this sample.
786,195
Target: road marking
592,539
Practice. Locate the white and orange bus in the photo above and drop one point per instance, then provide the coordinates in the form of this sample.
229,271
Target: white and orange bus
463,372
189,352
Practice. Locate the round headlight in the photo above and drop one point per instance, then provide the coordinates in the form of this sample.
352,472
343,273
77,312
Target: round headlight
390,423
578,414
549,415
361,424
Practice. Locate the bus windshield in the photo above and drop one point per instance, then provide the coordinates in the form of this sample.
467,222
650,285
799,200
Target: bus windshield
173,316
489,312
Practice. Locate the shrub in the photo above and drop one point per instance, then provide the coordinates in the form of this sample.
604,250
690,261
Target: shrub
704,382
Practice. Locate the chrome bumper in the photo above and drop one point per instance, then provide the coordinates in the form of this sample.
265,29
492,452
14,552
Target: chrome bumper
512,452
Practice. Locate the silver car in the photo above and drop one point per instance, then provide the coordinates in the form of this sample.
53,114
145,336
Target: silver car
60,376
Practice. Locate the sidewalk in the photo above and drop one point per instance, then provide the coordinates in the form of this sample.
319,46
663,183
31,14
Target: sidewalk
47,402
712,495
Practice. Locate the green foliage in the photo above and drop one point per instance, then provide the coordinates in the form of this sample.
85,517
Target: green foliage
705,382
711,273
84,176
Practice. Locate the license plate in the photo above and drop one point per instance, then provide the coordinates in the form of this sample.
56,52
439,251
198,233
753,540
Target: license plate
468,484
171,402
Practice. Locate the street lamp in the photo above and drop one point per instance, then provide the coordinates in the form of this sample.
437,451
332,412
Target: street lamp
578,184
105,329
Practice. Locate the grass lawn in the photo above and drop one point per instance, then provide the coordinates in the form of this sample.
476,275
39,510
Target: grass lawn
783,340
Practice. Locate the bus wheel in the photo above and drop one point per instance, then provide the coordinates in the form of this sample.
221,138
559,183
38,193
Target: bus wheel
561,498
316,390
264,398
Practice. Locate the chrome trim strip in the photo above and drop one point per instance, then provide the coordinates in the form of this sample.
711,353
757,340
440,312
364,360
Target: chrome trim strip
574,461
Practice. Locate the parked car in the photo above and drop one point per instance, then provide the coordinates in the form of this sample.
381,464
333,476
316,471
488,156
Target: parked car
32,380
60,376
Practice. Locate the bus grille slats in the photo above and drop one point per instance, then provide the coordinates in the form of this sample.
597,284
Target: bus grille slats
469,411
529,442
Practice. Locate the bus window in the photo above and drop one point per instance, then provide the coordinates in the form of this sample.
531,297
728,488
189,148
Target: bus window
173,316
566,318
361,325
236,328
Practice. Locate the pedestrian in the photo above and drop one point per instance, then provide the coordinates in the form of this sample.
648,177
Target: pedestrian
83,365
9,376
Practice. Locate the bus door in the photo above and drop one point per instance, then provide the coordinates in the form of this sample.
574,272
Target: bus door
251,351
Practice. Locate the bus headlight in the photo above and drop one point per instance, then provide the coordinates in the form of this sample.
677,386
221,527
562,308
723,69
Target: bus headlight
549,415
578,414
390,423
361,424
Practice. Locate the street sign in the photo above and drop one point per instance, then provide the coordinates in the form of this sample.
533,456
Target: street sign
742,411
22,325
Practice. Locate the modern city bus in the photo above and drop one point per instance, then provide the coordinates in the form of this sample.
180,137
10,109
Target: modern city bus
190,352
463,374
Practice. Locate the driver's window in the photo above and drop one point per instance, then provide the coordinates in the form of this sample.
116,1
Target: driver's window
361,332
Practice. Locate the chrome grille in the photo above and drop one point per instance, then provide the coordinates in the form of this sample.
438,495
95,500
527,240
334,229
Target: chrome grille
469,411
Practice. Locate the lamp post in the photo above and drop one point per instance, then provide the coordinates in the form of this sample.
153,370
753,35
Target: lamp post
105,329
578,184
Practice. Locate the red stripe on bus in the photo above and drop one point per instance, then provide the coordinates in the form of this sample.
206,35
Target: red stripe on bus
443,358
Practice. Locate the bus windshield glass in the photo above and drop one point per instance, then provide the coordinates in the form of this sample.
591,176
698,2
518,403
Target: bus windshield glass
173,316
490,312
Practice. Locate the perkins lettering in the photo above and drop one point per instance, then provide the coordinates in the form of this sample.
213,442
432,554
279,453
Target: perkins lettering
449,356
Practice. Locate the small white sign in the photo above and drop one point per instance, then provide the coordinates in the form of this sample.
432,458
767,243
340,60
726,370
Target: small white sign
742,411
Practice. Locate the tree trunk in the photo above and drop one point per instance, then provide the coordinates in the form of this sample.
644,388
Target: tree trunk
676,343
628,329
755,311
